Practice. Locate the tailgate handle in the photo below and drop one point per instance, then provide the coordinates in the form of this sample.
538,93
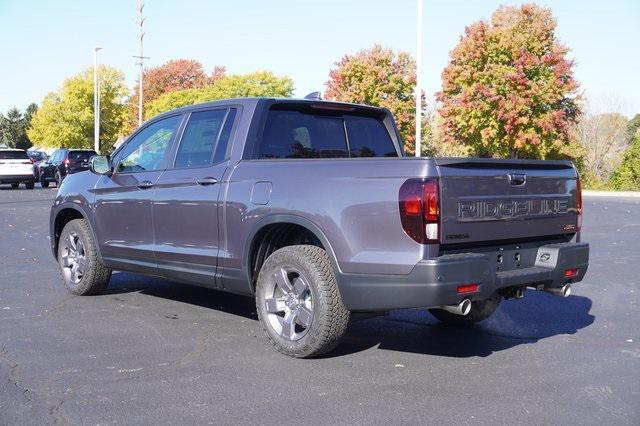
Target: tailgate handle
517,179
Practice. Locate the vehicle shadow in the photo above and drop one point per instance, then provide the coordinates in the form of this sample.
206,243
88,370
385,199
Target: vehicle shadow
538,316
124,282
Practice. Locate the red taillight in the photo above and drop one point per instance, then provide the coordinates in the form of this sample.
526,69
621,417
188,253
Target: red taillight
431,207
568,273
578,204
420,210
467,288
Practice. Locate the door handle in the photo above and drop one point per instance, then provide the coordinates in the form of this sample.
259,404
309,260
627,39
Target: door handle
145,184
207,181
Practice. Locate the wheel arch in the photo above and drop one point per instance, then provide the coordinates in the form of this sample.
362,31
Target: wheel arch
263,226
64,214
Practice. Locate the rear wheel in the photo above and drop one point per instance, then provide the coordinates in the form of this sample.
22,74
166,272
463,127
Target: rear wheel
30,184
15,185
480,311
298,302
81,268
59,179
44,182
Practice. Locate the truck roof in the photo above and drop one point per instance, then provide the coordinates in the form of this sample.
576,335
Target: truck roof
251,102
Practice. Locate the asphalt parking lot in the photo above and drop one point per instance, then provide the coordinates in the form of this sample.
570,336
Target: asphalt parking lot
154,352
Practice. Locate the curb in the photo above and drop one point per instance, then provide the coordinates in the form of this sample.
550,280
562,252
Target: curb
630,194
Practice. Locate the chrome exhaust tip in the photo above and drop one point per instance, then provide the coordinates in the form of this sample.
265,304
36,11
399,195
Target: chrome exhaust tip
462,308
564,291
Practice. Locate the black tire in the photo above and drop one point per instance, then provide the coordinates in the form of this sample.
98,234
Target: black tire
30,184
44,182
329,317
59,179
14,185
96,275
480,311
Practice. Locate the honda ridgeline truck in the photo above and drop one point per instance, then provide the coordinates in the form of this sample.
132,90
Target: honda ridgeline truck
311,208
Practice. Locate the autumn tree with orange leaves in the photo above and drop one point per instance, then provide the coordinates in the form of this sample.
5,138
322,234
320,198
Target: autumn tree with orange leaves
174,75
378,77
509,90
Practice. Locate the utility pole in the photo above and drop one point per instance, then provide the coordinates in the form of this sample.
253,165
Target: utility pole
96,102
418,93
141,57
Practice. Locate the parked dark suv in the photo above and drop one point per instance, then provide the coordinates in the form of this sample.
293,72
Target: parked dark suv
64,162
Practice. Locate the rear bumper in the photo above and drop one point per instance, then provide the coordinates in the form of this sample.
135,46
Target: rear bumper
16,178
434,282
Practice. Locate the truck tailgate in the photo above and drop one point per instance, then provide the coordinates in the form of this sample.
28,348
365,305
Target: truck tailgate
487,200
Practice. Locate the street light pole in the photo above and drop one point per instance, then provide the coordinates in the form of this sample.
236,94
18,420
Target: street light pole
141,63
418,93
96,102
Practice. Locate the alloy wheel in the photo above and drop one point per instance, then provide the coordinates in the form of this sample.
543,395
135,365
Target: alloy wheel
73,259
289,303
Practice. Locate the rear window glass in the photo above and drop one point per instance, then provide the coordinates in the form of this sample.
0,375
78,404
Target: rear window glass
13,155
293,134
369,138
36,155
81,155
297,134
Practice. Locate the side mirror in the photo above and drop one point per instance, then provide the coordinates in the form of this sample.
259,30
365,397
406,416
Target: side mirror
100,165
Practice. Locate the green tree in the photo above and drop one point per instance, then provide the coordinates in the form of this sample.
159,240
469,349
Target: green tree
13,130
627,176
509,90
378,77
260,83
65,118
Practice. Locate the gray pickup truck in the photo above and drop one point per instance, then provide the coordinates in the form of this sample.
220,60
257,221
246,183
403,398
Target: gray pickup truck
311,208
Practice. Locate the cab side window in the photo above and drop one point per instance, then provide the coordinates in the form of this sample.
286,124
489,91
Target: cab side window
147,150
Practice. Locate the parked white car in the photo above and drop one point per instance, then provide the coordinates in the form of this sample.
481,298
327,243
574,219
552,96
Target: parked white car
16,167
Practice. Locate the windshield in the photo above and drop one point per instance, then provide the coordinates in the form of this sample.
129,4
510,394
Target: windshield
13,155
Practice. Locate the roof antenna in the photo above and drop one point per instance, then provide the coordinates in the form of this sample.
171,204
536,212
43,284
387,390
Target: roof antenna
316,96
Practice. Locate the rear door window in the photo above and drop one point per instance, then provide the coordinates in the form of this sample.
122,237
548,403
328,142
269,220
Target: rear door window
199,139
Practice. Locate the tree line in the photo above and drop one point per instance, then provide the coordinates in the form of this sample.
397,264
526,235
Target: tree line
508,90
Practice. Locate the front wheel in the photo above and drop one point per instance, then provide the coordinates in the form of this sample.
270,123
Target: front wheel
480,311
15,185
30,184
81,268
298,302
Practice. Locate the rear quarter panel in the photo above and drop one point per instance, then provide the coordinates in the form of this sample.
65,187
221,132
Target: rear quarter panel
354,202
